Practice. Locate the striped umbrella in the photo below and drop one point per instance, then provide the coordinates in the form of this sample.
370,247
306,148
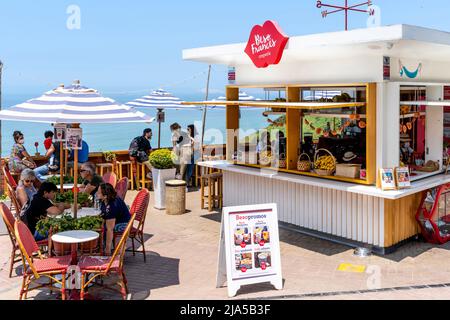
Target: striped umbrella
243,96
73,105
160,100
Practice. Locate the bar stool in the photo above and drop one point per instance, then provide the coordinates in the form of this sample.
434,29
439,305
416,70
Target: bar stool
212,197
102,166
141,177
129,170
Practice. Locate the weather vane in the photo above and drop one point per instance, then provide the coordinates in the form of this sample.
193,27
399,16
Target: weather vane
346,8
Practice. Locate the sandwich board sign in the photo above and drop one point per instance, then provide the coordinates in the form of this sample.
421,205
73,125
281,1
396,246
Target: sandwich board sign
249,248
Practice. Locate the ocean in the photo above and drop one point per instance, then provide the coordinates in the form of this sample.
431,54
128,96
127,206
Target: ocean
110,137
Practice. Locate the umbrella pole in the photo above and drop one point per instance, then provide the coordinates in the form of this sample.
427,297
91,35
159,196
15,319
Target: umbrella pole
204,113
159,129
75,179
61,173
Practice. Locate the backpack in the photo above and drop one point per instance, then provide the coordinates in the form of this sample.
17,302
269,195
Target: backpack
134,148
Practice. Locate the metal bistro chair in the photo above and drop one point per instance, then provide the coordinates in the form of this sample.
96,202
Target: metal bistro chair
97,266
122,188
35,268
14,201
9,220
139,207
9,177
111,178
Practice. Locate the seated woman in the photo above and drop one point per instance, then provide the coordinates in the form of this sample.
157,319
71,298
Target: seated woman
20,159
114,211
41,206
26,190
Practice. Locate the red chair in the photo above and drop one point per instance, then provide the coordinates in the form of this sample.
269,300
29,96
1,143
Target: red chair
111,178
96,266
9,178
122,188
9,220
14,201
34,269
139,208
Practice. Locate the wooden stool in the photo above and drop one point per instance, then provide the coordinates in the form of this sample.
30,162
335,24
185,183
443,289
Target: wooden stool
129,169
175,197
212,197
102,166
141,177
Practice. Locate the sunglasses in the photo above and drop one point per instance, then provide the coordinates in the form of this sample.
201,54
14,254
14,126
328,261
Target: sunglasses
28,181
82,170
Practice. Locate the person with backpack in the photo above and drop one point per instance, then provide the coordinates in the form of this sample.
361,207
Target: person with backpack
140,149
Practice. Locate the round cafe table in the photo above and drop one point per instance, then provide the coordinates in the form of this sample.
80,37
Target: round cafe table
68,186
74,238
87,212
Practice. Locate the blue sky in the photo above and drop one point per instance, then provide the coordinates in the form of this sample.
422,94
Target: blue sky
135,45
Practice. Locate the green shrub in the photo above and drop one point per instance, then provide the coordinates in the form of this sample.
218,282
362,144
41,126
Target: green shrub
109,156
67,223
162,159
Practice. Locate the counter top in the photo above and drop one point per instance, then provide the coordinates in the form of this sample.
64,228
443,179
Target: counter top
417,186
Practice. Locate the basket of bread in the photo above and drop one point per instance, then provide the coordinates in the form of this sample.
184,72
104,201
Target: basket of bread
324,165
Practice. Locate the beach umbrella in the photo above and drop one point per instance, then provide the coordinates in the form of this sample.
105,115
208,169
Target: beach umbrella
159,100
73,105
243,96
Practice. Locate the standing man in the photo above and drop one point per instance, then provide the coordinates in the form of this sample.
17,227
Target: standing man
140,149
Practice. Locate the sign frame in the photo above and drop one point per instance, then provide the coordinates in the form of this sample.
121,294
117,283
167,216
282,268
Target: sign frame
71,135
261,214
60,130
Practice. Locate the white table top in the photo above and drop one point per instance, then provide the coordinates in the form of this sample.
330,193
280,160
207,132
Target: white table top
87,212
75,236
373,191
69,186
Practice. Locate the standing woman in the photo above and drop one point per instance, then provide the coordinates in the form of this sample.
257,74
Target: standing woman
26,190
114,211
20,159
182,145
196,154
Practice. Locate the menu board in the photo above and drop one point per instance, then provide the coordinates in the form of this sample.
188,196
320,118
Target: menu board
60,132
74,138
250,243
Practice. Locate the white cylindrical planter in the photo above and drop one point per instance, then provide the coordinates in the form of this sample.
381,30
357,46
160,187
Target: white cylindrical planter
159,185
3,229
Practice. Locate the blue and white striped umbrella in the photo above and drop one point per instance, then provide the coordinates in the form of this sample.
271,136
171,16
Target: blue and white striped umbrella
243,96
74,104
159,99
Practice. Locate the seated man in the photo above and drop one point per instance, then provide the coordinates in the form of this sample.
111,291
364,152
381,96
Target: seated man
40,206
83,155
91,180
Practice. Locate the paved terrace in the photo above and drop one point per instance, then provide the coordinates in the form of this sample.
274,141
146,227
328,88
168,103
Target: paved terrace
182,263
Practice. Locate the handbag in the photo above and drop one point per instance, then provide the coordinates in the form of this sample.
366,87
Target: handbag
28,163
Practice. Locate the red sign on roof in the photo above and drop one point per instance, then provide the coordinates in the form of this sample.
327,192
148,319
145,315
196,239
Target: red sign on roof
266,44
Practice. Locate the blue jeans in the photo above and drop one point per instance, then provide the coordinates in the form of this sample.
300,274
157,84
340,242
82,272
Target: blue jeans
189,172
38,237
41,171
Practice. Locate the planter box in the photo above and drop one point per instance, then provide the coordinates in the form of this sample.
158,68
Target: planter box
159,185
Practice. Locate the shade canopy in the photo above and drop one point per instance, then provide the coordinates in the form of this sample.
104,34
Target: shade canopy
74,104
159,99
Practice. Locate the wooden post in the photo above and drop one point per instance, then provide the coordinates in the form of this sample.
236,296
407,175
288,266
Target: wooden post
232,123
371,134
61,172
293,125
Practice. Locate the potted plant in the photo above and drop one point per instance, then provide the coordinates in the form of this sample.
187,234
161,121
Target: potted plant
7,201
67,223
163,170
